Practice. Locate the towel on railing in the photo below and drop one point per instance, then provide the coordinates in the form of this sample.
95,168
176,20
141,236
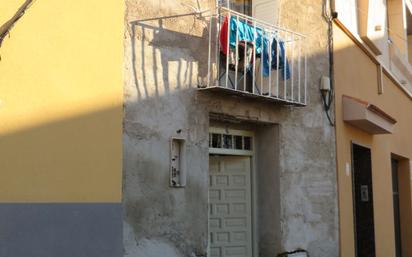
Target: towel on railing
247,32
278,58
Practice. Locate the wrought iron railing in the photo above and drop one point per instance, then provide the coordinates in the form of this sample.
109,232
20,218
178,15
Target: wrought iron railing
255,58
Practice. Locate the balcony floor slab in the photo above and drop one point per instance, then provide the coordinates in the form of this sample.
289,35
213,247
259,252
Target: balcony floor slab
249,95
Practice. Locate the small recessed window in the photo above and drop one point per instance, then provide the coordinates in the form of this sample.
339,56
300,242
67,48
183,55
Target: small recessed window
238,142
227,141
216,140
248,143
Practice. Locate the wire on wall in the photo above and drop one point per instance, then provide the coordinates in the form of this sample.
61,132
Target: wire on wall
6,27
328,96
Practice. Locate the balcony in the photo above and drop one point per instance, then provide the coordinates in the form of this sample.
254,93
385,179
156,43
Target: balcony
400,67
254,59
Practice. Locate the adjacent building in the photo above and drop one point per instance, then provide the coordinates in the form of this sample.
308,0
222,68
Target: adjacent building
373,126
60,128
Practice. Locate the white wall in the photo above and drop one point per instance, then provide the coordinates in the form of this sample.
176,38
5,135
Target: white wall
347,14
266,10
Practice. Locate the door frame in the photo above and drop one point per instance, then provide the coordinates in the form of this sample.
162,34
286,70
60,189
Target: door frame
354,142
397,218
253,177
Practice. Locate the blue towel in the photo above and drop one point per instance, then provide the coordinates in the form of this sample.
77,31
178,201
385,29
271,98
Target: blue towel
278,48
246,32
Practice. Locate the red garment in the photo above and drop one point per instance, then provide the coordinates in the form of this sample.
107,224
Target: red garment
224,36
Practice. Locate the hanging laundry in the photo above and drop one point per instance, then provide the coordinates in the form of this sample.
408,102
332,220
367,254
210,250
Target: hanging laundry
246,32
223,36
278,58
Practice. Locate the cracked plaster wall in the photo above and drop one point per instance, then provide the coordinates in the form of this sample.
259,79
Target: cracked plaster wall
165,60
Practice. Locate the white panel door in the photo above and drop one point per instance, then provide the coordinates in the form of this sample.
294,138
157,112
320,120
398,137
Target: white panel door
230,217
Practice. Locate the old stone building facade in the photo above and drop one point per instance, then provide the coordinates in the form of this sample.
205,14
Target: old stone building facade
286,197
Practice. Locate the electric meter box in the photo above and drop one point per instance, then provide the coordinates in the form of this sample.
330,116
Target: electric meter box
177,162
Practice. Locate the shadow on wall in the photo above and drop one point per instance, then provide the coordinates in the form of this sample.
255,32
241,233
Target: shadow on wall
183,56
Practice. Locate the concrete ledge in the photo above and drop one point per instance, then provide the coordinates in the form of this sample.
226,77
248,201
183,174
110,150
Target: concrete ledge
366,116
249,96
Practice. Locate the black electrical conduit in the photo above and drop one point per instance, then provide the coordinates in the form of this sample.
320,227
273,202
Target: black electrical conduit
328,97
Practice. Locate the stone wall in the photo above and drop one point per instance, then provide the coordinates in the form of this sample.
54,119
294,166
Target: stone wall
166,49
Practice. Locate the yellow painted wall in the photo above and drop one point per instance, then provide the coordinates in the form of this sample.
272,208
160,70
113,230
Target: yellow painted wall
61,102
356,76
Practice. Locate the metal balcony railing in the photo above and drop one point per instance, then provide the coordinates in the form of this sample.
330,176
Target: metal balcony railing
253,58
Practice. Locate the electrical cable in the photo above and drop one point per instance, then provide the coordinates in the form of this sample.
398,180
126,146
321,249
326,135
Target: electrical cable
6,27
328,97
